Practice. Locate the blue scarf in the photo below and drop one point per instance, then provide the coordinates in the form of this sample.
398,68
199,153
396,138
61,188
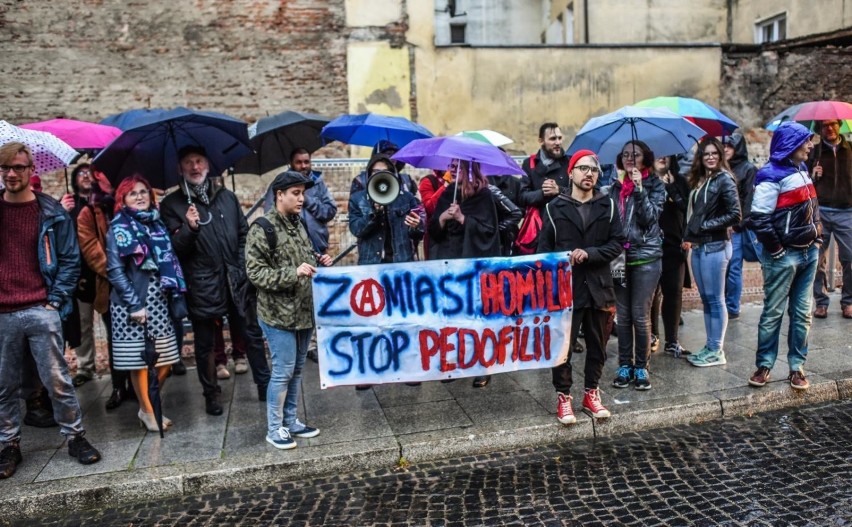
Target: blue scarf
141,235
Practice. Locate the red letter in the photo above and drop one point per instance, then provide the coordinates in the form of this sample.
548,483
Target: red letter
488,291
505,338
548,281
488,334
427,350
446,347
507,278
463,347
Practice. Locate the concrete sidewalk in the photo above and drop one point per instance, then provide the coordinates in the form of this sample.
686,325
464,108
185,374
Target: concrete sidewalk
392,425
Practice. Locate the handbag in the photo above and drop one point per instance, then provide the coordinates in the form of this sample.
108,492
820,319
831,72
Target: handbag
177,307
527,240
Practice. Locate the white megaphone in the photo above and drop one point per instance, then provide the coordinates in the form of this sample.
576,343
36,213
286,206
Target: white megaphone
383,187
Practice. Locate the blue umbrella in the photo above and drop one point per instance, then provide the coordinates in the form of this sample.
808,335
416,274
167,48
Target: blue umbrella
665,132
151,143
132,118
369,128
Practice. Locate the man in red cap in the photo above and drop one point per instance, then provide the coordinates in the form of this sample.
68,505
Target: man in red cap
585,223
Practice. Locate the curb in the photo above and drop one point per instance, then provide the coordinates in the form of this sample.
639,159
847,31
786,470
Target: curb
104,490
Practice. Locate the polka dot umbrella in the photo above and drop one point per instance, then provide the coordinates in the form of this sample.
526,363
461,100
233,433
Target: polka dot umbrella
49,152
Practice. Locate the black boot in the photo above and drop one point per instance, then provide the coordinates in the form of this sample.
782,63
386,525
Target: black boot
40,411
261,393
10,458
115,399
212,405
179,368
80,448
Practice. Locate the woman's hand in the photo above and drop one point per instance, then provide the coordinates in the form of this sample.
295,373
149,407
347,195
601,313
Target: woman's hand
325,260
140,317
685,246
636,177
412,220
192,217
306,270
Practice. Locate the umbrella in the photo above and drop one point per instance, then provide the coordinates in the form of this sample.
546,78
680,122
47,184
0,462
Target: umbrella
80,135
131,118
151,356
808,113
665,132
49,152
369,128
437,152
151,144
487,136
274,138
695,111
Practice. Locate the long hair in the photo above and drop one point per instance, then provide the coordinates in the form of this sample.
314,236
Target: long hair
647,155
697,172
126,186
470,179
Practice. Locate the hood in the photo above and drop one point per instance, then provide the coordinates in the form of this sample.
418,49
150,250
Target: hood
740,151
788,137
381,157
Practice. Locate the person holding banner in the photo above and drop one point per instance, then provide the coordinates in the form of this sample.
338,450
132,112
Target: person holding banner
282,276
465,224
585,223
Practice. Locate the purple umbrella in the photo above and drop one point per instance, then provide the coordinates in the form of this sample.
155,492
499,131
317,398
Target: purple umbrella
438,152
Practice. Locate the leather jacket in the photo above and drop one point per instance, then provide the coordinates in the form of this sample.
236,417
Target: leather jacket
714,207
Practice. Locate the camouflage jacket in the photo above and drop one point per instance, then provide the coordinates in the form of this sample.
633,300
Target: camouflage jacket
284,300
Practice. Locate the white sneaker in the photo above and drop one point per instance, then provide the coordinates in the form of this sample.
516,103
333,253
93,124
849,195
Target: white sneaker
222,372
300,429
240,366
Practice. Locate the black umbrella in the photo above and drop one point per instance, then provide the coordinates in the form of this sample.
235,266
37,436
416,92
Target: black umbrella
151,356
273,138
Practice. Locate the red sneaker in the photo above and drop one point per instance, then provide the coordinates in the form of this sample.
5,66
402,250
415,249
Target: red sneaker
592,404
564,412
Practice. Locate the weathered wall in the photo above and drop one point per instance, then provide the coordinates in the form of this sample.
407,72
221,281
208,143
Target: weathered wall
91,58
803,18
655,21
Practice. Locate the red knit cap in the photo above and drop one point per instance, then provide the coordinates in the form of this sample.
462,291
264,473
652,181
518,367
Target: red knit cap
579,154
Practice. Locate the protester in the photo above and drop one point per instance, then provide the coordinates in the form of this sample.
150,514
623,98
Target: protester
546,171
584,222
640,197
208,231
282,276
388,149
431,187
742,240
786,218
714,207
147,287
39,266
465,223
831,166
668,298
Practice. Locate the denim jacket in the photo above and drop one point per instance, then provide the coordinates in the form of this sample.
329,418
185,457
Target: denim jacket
366,225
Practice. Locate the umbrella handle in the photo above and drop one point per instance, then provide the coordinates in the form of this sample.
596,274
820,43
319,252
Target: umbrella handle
189,201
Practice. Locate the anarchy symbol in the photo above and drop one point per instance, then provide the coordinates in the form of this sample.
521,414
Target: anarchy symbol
367,298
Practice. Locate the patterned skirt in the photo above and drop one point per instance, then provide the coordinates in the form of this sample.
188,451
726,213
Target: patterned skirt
128,338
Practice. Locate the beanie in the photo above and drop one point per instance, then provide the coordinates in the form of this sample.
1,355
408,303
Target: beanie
579,154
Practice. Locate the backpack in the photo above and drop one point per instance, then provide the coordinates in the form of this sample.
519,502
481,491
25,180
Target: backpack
249,297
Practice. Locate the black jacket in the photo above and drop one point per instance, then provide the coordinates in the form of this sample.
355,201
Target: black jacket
508,219
478,237
213,257
744,172
834,188
603,238
641,218
715,206
673,218
536,173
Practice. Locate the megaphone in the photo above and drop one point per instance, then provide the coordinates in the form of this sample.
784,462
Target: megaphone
383,187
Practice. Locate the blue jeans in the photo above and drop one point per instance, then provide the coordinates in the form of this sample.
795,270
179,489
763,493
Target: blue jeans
837,223
787,280
288,350
41,328
708,268
745,246
633,312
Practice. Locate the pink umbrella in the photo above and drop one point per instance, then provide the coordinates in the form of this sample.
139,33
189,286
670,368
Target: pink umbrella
80,135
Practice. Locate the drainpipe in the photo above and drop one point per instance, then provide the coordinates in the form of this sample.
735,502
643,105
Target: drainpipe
586,20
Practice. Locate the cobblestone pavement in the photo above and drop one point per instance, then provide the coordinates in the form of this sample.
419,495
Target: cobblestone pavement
781,468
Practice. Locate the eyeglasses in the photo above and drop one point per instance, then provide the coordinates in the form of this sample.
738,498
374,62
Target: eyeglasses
137,193
19,169
84,173
585,169
631,155
710,154
833,124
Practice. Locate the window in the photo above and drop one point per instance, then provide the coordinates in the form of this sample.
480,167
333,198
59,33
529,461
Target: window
771,29
457,33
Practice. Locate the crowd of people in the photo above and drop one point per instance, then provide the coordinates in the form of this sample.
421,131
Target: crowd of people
627,230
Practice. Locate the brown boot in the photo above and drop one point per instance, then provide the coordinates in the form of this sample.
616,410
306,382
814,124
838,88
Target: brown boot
821,312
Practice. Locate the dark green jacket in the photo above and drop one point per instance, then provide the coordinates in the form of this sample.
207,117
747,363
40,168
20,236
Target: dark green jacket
284,300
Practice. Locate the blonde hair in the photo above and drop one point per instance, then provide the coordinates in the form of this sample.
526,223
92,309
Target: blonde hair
10,150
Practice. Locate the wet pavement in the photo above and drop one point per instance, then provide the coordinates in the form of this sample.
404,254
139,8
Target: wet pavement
377,429
779,468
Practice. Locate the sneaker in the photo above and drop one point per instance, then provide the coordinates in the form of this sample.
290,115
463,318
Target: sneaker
564,412
847,311
676,350
655,343
79,447
798,381
623,376
222,372
240,366
760,377
714,358
281,439
592,404
641,382
700,354
733,316
10,458
300,429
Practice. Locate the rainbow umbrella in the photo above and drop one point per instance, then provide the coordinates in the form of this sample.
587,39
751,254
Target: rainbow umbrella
698,112
487,136
808,113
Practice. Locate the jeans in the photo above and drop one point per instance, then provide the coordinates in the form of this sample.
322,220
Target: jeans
288,350
708,268
745,247
787,281
837,223
633,312
41,329
595,323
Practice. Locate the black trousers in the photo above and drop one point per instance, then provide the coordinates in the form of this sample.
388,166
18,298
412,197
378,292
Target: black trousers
668,299
596,325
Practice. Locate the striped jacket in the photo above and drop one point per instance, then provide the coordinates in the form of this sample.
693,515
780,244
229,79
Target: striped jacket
784,211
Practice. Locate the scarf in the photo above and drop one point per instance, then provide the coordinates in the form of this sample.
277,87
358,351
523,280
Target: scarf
627,188
200,191
141,235
544,158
